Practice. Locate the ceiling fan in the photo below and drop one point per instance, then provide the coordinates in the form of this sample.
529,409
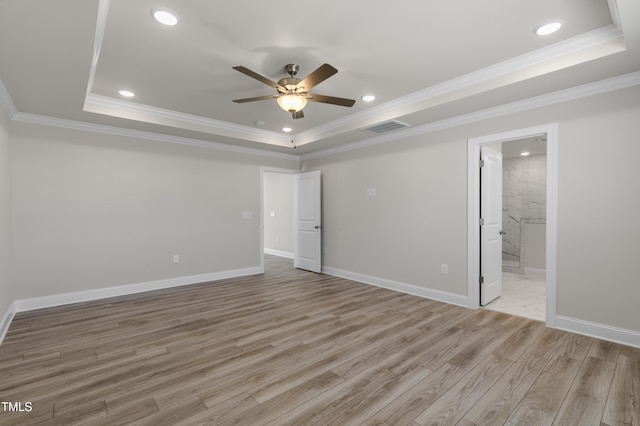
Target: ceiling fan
293,93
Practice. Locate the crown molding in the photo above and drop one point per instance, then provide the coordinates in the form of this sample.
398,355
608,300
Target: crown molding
615,12
586,90
597,43
6,101
603,86
149,114
130,110
101,25
139,134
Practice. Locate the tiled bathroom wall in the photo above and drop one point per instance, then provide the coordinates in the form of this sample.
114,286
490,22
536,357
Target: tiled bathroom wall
524,187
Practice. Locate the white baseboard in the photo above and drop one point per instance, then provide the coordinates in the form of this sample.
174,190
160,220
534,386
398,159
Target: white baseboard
102,293
599,331
441,296
6,321
278,253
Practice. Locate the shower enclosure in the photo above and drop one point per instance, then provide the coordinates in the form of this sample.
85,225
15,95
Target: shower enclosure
524,213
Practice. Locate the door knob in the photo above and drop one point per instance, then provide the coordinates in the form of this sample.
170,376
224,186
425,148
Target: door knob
503,233
317,227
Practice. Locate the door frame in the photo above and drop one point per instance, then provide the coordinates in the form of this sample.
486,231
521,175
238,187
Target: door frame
263,170
473,211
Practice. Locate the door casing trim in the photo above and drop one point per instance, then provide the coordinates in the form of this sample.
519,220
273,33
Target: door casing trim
473,211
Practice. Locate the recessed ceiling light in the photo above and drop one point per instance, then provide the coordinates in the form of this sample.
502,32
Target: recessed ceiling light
368,98
126,93
525,153
164,16
287,129
548,28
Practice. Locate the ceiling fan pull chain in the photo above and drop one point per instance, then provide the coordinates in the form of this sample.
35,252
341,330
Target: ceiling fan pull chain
293,130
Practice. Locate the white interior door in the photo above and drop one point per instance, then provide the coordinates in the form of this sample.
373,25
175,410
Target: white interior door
491,225
307,238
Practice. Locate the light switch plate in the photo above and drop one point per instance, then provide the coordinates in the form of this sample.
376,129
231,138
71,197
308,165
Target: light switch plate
246,215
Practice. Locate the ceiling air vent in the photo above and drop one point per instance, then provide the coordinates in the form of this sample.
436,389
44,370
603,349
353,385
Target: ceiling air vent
386,126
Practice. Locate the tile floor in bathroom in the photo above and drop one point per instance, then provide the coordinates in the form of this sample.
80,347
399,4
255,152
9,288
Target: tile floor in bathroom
522,295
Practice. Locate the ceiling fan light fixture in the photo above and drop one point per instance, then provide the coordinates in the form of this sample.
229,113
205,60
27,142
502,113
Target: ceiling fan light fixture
292,102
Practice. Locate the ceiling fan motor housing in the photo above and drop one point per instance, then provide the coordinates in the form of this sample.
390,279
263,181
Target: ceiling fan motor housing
292,69
291,86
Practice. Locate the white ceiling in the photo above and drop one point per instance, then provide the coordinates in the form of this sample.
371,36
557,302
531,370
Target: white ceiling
426,62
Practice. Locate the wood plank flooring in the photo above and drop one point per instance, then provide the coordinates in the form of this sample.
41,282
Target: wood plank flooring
295,348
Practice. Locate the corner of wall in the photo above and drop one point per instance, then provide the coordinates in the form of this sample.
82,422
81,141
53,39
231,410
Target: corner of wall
6,290
6,321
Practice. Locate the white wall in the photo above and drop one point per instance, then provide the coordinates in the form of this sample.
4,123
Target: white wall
278,199
93,211
534,245
418,219
6,293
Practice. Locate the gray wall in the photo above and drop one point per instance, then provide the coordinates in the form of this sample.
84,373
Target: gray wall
278,199
93,211
418,219
6,294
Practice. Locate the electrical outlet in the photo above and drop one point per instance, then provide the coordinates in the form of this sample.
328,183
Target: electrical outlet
444,269
176,258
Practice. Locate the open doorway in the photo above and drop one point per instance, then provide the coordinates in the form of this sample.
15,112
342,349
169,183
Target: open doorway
290,220
550,132
524,212
277,213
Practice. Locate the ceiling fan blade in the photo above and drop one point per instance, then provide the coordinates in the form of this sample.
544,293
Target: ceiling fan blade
331,100
258,77
318,76
257,98
298,114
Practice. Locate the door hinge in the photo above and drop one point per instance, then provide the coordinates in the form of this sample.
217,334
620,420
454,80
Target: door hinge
481,279
481,221
481,163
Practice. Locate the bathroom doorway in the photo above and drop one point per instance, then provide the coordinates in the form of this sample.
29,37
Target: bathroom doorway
474,256
524,207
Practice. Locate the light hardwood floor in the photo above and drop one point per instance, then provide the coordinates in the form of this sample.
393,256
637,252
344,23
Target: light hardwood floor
295,348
